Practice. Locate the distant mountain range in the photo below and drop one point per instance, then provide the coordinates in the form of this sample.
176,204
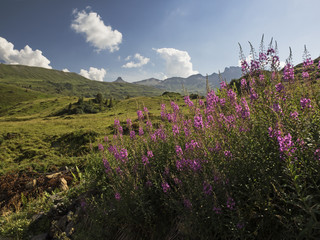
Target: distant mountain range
193,84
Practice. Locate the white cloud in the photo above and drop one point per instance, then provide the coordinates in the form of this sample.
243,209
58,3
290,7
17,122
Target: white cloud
94,73
140,61
99,35
25,56
65,70
178,63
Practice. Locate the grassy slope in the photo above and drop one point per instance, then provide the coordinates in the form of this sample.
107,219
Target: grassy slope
30,137
55,82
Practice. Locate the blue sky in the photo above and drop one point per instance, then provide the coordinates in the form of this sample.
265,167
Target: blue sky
139,39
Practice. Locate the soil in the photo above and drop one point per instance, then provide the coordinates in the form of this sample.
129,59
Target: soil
30,184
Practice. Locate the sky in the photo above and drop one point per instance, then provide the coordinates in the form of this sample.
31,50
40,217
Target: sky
140,39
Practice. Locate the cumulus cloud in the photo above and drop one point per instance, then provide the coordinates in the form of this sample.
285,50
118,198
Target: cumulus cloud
65,70
25,56
178,63
96,32
94,73
139,61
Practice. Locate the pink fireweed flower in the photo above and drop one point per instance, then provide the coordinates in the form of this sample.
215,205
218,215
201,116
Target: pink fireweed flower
207,188
150,154
149,183
243,83
140,114
132,134
177,181
119,171
231,203
192,145
145,160
117,196
223,85
179,151
244,66
175,130
277,108
246,110
232,95
187,203
261,78
149,124
201,103
129,123
253,95
141,132
175,106
188,101
217,210
305,103
198,123
288,72
228,154
317,154
319,65
145,110
286,144
116,123
107,166
305,74
294,115
100,147
165,187
222,102
279,87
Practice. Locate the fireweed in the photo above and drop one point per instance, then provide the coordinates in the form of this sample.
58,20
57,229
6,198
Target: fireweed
237,165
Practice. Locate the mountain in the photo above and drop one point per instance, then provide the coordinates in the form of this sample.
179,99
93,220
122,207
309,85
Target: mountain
194,83
54,82
119,80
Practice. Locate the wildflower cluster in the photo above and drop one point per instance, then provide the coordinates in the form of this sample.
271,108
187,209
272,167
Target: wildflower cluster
210,162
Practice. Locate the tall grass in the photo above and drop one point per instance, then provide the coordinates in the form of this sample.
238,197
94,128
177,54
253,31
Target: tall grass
244,163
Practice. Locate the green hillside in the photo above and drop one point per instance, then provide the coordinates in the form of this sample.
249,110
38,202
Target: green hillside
54,82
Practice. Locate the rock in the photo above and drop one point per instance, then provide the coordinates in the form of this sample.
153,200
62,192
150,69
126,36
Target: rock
54,175
63,184
32,184
42,236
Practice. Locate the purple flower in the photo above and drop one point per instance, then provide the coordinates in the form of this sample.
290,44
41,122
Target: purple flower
305,103
305,74
149,183
150,154
277,108
222,101
294,115
140,114
288,72
286,144
187,203
117,196
175,107
100,147
165,187
217,210
223,85
132,134
207,188
177,181
129,123
230,203
179,151
145,110
188,101
228,154
163,111
145,160
243,83
175,130
141,131
279,87
261,78
317,154
198,123
107,166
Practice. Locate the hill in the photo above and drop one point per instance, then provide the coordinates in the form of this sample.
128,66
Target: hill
194,83
54,82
